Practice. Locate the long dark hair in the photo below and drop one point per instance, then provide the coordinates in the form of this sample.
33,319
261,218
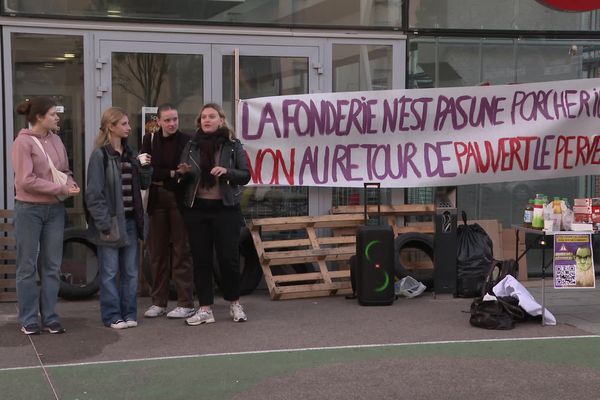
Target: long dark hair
34,107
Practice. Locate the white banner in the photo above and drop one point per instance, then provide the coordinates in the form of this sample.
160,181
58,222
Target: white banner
424,137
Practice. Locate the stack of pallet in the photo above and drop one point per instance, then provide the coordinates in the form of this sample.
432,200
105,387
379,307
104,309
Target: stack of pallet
312,247
7,257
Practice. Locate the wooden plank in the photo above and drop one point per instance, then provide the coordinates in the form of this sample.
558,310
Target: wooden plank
8,297
313,287
8,254
343,274
295,223
277,244
6,227
7,283
8,269
7,241
304,295
398,209
6,213
415,228
307,256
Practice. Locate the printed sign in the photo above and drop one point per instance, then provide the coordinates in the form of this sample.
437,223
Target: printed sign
424,137
573,261
149,120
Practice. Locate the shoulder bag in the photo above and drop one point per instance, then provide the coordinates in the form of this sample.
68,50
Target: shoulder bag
57,176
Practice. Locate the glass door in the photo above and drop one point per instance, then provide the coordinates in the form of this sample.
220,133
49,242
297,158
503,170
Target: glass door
266,71
135,75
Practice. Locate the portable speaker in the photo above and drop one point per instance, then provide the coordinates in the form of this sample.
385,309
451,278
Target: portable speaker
444,252
375,265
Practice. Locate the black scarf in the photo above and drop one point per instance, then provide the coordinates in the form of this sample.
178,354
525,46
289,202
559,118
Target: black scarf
209,144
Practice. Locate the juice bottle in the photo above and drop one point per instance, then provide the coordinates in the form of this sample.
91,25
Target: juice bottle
528,214
556,214
537,221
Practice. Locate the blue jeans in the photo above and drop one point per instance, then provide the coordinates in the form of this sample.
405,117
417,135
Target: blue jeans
119,279
39,232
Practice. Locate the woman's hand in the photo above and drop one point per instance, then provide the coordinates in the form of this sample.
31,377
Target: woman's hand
73,190
183,168
218,171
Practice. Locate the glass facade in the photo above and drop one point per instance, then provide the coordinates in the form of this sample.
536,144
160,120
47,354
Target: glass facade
442,54
151,79
445,62
55,69
325,13
261,76
359,67
497,15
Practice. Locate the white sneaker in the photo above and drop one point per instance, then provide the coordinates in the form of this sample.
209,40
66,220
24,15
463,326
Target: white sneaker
155,311
236,311
201,317
131,323
181,312
119,324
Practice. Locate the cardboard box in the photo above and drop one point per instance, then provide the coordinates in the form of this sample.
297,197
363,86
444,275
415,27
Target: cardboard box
583,218
508,250
586,202
578,227
582,209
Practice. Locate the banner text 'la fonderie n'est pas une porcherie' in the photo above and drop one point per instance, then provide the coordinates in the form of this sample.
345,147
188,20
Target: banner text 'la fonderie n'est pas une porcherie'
424,137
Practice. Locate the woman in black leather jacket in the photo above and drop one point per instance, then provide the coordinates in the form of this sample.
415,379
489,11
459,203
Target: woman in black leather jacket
213,169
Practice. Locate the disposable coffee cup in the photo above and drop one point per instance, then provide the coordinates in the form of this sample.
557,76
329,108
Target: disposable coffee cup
144,159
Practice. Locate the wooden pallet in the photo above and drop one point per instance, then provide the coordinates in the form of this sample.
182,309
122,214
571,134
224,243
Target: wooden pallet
8,255
289,241
392,213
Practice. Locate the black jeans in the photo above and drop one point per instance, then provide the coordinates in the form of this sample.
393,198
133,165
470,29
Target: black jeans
214,229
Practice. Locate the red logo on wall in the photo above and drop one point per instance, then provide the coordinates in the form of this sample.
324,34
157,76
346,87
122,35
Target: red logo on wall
572,5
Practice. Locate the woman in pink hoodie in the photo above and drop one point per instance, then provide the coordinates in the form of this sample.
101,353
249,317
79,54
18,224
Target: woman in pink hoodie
39,214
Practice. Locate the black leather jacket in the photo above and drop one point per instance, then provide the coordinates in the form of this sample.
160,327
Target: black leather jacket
233,157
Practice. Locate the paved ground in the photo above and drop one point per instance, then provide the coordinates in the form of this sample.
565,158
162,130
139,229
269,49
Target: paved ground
422,348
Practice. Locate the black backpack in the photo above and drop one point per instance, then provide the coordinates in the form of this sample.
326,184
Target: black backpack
503,312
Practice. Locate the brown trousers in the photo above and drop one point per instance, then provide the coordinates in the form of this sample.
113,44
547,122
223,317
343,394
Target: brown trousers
170,255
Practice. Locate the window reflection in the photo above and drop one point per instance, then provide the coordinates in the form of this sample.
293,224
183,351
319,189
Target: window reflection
262,76
150,79
54,68
438,62
383,13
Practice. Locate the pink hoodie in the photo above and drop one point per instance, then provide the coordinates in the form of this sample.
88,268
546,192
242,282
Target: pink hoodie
33,178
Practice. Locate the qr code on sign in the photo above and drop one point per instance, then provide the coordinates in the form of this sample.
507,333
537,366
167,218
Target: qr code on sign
564,275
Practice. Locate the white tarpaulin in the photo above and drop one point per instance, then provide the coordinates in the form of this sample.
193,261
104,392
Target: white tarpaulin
424,137
509,286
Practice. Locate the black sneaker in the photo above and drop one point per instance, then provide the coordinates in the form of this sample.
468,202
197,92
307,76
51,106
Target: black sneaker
31,329
54,328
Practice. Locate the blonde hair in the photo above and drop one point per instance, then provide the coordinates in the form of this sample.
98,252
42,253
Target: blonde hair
110,117
221,113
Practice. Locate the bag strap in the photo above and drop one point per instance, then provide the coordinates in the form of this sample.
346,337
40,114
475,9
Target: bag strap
37,141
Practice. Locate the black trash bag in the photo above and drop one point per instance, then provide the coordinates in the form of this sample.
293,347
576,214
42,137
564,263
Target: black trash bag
474,258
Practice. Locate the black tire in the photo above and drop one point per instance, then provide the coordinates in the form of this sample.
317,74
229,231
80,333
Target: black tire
419,241
78,280
250,269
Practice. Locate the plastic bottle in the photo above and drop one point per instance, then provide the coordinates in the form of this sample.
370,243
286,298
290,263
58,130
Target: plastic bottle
528,214
537,222
556,214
